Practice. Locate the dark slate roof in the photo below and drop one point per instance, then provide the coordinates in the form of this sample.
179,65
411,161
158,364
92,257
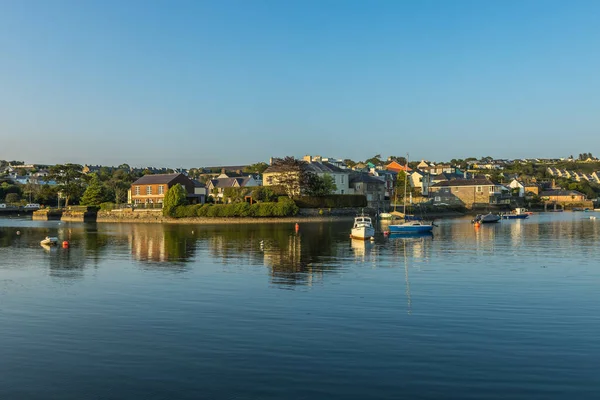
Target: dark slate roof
154,179
446,176
316,167
548,193
364,178
198,183
464,182
229,182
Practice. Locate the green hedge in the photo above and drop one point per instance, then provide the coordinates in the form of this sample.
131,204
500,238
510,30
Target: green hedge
332,201
283,208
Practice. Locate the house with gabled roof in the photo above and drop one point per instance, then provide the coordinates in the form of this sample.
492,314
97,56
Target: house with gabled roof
272,175
469,192
397,167
372,187
563,196
151,189
216,187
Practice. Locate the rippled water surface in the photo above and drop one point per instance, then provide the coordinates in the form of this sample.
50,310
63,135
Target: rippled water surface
510,310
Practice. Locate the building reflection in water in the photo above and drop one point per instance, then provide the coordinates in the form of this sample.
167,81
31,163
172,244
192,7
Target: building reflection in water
161,243
302,258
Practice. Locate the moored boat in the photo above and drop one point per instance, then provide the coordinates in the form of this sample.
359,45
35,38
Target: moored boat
518,213
412,224
411,227
363,228
486,219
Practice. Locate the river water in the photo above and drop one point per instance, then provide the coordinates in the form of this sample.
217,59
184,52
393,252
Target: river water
509,310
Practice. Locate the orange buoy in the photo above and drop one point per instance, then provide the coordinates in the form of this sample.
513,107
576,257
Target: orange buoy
65,244
297,227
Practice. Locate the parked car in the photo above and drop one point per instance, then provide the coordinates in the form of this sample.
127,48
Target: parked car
32,206
2,205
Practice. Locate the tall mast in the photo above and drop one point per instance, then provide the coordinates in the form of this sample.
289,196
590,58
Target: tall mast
405,182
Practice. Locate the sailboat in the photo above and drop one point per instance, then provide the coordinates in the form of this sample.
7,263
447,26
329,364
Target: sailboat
411,224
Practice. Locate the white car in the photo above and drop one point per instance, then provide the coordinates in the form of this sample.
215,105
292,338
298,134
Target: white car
32,206
2,205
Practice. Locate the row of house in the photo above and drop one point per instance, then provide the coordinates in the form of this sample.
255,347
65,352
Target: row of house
574,175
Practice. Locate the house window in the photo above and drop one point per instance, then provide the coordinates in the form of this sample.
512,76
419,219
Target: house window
161,189
137,190
342,190
438,198
342,180
148,189
491,188
479,189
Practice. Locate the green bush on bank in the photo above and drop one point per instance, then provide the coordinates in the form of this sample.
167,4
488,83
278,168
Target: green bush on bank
282,208
332,201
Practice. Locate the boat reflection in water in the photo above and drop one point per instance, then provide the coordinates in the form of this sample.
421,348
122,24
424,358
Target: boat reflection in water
361,248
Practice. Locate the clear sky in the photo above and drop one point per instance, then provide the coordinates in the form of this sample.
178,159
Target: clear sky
177,83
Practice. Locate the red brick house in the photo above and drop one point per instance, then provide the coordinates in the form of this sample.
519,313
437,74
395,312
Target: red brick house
151,189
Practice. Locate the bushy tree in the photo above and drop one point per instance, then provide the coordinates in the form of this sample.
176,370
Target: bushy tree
95,194
292,175
12,198
320,186
176,196
257,168
69,180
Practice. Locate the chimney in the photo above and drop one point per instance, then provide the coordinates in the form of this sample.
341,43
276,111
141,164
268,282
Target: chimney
222,170
271,161
465,174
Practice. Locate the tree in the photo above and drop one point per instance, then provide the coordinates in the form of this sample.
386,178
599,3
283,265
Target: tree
257,168
176,196
375,160
292,175
320,186
95,194
12,198
68,177
118,184
399,160
349,163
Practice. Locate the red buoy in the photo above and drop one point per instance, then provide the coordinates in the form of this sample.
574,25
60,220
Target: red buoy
65,245
297,227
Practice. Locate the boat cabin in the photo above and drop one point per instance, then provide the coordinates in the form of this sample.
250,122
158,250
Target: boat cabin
362,221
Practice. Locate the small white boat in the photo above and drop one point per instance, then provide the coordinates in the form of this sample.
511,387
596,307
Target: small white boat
49,241
385,215
592,217
363,228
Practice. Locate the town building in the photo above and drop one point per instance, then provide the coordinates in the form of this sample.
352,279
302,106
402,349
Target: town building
151,189
469,192
373,188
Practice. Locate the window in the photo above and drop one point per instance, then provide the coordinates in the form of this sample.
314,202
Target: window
438,198
342,190
137,190
148,189
342,179
492,189
479,189
161,189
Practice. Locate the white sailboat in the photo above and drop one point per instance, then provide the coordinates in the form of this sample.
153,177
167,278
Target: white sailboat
410,225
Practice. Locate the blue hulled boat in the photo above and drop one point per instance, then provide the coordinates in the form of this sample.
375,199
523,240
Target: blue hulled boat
411,227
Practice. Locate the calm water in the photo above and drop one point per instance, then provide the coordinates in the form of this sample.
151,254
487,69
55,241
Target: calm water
258,312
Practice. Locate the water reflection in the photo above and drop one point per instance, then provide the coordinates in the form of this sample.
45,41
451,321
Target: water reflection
292,258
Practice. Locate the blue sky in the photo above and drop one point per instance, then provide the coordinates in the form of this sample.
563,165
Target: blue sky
230,82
